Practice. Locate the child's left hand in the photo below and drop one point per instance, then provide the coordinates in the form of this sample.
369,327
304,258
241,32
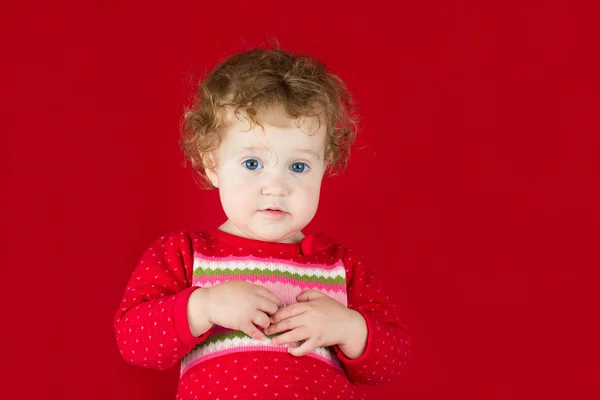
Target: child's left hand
320,321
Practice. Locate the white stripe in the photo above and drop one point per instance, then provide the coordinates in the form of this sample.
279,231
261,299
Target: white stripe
240,343
212,264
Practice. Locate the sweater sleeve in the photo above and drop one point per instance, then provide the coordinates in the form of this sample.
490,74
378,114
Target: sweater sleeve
388,342
151,324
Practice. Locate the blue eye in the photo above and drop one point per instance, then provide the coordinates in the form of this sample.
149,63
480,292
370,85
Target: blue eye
299,167
252,164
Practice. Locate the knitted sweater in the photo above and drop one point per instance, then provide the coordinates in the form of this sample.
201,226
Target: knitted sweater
152,327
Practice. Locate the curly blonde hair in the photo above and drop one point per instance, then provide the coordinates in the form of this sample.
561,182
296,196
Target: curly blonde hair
263,79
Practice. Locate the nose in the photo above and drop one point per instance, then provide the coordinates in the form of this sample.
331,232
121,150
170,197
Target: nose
275,184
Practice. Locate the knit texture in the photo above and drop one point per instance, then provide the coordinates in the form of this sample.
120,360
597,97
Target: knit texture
152,328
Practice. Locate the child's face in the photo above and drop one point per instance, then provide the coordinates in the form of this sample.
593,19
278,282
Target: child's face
269,179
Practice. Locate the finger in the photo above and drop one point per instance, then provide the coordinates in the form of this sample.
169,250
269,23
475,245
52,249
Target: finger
261,319
295,335
253,332
285,325
264,292
303,349
288,312
309,295
266,305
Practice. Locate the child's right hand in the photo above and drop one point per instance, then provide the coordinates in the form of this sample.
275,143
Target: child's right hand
235,305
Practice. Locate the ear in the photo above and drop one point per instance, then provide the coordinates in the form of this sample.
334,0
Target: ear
210,167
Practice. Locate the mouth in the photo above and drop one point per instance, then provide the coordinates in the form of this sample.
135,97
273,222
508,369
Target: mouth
275,213
272,209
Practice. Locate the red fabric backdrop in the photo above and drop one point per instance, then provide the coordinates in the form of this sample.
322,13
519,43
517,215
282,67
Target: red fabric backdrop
473,188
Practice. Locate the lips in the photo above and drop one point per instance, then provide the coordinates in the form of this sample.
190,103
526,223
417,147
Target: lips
274,208
275,213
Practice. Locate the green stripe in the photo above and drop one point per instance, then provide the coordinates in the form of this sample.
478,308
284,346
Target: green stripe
229,335
200,272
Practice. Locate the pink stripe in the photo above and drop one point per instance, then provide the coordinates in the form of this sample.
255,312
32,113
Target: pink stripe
252,348
287,292
208,281
287,262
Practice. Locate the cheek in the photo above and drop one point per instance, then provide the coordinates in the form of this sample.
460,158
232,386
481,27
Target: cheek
232,178
308,194
239,193
236,191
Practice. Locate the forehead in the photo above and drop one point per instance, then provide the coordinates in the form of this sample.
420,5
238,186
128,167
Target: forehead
274,130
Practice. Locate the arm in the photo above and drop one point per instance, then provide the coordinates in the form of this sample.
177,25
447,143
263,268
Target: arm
151,325
387,342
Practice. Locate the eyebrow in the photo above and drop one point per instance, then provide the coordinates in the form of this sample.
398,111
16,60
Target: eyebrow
251,148
261,148
310,152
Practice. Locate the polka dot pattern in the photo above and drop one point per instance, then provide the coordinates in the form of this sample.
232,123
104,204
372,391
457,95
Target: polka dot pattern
152,330
265,376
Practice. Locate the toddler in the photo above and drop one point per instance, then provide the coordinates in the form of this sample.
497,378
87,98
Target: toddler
255,309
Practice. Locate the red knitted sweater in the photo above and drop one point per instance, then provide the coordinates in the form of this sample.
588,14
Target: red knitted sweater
152,327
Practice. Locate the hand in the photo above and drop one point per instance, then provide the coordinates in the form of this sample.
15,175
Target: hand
320,321
235,305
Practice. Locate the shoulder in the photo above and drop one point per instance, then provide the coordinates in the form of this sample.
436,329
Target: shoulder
183,240
332,248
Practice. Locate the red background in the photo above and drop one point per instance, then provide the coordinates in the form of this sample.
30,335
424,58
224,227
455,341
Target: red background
473,188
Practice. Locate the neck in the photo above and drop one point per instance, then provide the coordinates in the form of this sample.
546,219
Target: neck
229,227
